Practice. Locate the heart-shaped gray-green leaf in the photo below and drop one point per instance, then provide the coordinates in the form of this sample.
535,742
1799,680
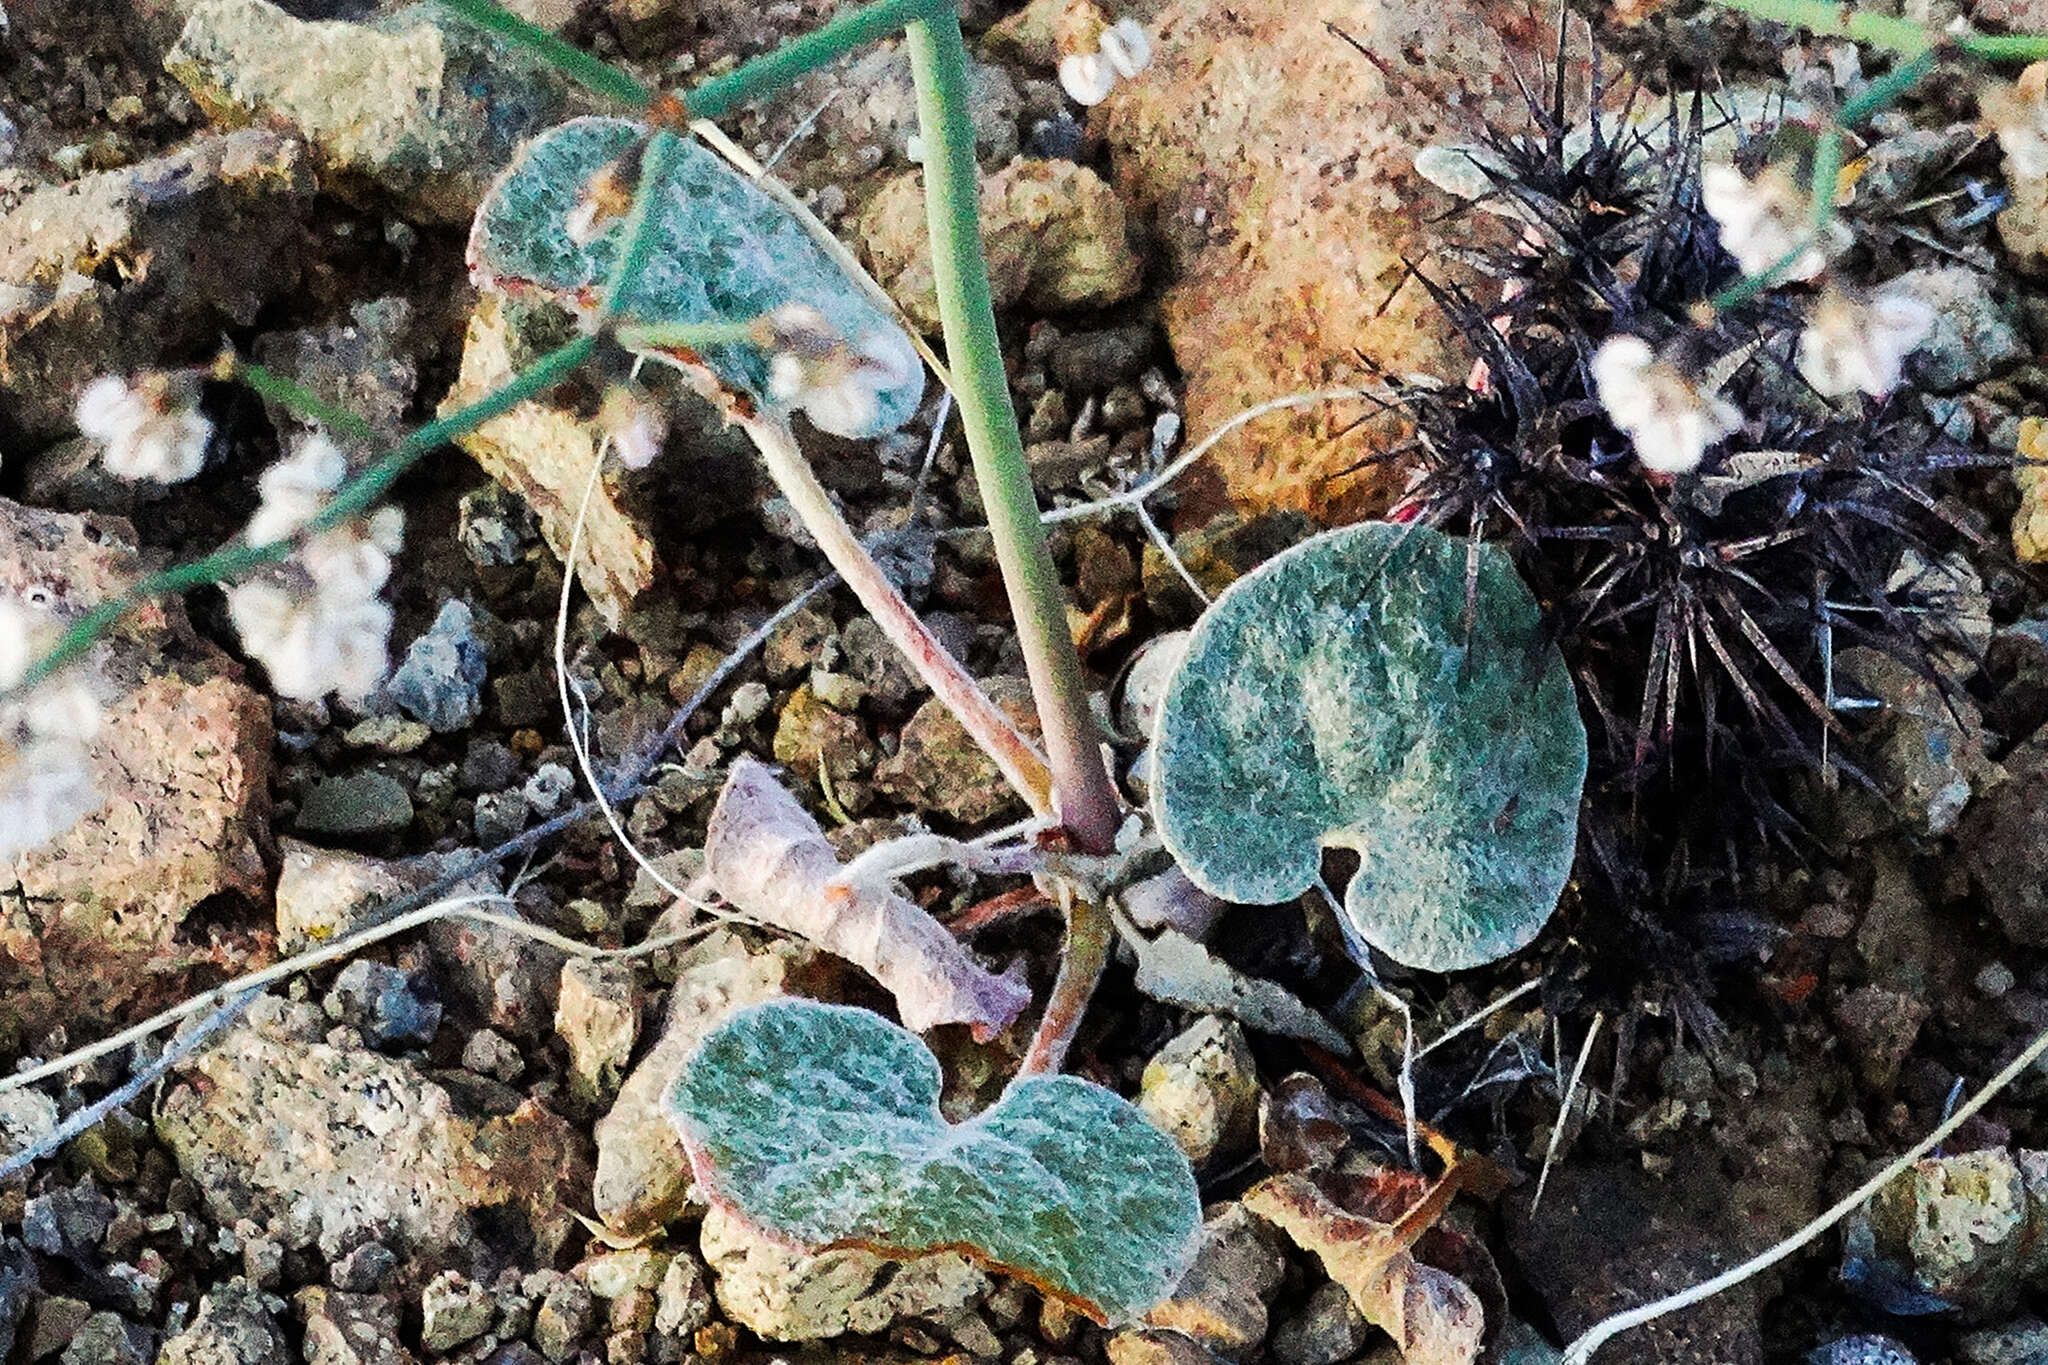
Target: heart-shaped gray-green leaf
725,252
1336,697
820,1124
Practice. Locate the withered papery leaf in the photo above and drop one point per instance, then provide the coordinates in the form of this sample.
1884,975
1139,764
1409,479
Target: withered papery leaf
768,857
1433,1316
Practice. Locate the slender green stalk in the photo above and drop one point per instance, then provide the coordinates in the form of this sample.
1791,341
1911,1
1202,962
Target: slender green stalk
720,94
355,497
1087,803
236,559
772,71
297,398
1827,17
1886,90
593,73
2005,47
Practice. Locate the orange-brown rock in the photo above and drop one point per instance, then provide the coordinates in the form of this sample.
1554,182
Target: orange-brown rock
91,924
1274,162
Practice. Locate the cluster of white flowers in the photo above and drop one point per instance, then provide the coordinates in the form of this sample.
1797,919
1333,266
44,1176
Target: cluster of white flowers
1671,417
1853,342
317,624
1090,65
1767,218
836,383
46,739
1856,343
148,429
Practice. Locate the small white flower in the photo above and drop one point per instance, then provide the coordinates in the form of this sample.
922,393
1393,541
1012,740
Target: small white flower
1670,419
1853,343
317,625
1127,47
1087,77
296,488
1090,65
837,385
1765,220
313,643
46,783
2018,113
635,425
147,430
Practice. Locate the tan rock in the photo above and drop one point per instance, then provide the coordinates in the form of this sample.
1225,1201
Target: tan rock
2030,522
1275,165
786,1295
424,106
1054,234
89,923
643,1173
337,1146
544,454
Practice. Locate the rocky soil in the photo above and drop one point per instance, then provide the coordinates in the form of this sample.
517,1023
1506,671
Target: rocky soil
451,1146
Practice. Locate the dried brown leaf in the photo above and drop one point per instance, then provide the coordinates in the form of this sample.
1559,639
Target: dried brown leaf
768,857
1433,1316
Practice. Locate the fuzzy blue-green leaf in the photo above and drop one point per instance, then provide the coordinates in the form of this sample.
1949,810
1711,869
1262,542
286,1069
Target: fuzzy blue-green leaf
725,252
820,1124
1335,697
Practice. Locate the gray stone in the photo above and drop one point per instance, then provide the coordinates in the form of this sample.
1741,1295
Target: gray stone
507,977
56,1320
349,1329
106,1339
363,365
488,766
1089,362
1994,840
1202,1088
424,106
356,805
364,1270
683,1302
19,1283
1965,1228
489,1053
937,767
1221,1301
494,526
453,1310
566,1314
499,817
1926,748
2023,1341
785,1295
235,1326
1863,1350
441,681
1976,327
1329,1328
388,1005
334,1147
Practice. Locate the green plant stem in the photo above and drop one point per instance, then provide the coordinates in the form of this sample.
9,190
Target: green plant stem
799,56
1086,802
1826,17
593,73
1888,88
231,368
2004,47
1091,933
356,496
